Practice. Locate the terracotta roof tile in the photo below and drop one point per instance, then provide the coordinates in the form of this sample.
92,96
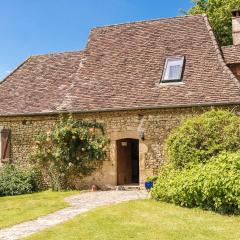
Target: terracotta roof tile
124,63
39,84
121,68
231,54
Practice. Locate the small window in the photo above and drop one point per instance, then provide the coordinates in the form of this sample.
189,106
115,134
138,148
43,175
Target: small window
173,69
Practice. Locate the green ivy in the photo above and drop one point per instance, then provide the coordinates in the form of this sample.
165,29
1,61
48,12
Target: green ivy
74,148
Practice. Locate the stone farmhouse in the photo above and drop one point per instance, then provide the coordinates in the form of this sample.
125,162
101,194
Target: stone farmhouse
139,79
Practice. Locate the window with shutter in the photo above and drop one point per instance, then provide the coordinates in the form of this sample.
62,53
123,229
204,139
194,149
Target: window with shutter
5,144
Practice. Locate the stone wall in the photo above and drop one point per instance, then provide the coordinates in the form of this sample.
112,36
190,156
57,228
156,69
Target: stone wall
23,132
156,125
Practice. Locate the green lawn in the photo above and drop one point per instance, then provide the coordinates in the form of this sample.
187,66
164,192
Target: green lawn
20,208
145,220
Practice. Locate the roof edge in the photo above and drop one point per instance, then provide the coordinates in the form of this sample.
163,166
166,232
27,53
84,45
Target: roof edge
230,54
14,70
219,52
37,55
57,53
145,21
212,104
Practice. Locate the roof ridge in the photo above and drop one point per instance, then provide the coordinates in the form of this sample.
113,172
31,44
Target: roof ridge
219,52
145,21
56,53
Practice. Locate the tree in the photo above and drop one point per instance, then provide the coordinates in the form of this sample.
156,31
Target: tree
74,148
219,15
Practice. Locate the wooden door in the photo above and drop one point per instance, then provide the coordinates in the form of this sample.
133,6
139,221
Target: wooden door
124,161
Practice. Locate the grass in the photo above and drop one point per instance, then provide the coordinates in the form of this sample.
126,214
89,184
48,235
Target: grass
145,220
16,209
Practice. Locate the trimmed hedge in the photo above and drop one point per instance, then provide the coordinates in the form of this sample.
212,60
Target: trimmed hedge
16,181
204,164
202,137
214,185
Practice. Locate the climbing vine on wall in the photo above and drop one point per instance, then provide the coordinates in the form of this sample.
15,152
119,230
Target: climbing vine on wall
73,148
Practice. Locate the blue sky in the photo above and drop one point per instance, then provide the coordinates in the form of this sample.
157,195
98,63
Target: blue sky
30,27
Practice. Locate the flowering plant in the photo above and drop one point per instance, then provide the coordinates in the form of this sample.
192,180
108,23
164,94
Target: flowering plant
73,148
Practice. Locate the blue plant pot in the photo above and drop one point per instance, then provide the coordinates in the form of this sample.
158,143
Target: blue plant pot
148,185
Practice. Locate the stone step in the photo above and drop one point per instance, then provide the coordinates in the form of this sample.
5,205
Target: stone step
127,187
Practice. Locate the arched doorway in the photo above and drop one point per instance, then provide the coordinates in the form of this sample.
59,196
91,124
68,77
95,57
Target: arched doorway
127,161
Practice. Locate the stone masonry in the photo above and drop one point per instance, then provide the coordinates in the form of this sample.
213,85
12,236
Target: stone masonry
156,125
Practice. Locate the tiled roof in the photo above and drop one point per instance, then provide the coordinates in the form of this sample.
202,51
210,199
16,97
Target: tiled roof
231,54
121,68
39,84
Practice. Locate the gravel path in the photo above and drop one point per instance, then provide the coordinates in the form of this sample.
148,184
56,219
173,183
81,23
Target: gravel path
78,204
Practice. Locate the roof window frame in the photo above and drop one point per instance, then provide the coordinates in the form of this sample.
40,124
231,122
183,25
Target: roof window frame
176,58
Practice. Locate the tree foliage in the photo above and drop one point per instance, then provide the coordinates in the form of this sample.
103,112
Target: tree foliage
219,15
202,137
74,148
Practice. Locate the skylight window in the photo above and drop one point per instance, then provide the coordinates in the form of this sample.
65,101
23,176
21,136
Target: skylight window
173,70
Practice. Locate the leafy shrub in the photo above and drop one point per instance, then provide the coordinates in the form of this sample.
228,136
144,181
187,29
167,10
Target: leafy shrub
15,181
152,179
202,137
74,148
214,185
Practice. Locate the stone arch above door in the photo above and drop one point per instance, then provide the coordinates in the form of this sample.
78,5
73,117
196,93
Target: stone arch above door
114,136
